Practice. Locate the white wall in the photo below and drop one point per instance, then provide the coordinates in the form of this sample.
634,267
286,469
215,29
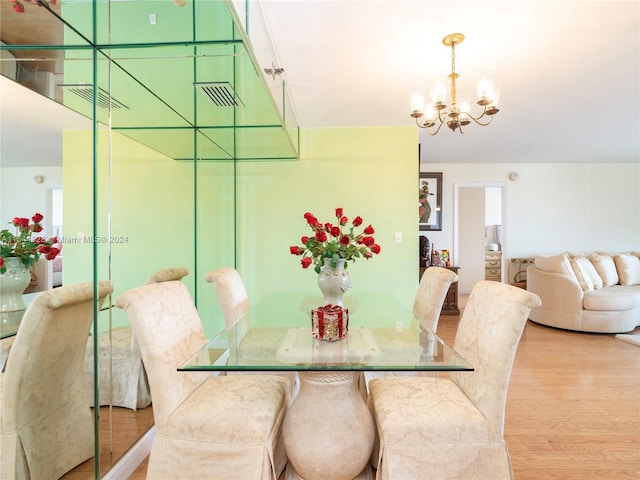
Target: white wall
21,196
553,208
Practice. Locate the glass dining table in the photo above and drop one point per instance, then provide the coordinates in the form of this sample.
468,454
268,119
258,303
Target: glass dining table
328,430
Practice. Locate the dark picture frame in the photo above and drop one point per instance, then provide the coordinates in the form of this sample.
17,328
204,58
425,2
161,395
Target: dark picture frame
430,201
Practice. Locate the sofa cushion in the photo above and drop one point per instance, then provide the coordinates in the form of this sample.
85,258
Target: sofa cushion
583,277
556,264
606,268
628,267
586,264
615,298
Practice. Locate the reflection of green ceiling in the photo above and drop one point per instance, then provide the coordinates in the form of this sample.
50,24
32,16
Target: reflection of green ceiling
192,71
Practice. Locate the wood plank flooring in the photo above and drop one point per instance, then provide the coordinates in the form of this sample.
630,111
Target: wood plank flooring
573,409
129,426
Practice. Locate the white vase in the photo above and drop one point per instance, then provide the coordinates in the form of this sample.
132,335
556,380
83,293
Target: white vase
13,284
333,282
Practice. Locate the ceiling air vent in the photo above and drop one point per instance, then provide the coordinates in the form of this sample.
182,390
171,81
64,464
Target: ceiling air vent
220,93
85,92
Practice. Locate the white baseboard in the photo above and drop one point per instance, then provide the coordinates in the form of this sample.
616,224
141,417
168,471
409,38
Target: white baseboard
128,463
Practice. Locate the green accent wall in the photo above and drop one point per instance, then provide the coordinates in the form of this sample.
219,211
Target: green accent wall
208,214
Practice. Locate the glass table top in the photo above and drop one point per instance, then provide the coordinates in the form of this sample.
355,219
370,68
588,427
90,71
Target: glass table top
275,334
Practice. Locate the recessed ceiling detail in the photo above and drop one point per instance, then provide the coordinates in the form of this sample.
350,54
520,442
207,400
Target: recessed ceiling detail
220,93
85,92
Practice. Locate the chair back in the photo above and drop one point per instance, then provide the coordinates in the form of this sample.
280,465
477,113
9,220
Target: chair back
432,291
488,337
231,293
43,397
168,330
168,274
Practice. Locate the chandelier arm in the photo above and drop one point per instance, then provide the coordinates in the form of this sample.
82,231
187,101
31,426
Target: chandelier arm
477,119
437,130
428,128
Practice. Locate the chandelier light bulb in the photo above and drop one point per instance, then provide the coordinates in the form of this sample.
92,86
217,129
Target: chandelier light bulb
438,94
417,103
458,114
430,114
485,90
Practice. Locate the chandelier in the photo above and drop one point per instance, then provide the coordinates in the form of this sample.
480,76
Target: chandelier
458,114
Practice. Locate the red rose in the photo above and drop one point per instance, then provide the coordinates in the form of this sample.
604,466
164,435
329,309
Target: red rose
345,240
306,261
357,221
375,248
338,212
36,228
321,236
37,217
294,250
44,249
53,253
305,239
368,241
368,255
335,231
1,262
53,240
311,220
369,230
20,222
39,240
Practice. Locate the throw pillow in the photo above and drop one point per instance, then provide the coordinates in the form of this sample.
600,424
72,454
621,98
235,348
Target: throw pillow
588,267
606,268
556,264
628,267
584,279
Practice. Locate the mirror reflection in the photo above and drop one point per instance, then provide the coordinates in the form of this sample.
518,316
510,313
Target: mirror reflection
125,139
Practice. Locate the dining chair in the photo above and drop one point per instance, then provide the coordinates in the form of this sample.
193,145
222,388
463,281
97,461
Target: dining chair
45,420
234,302
119,358
206,426
427,306
453,428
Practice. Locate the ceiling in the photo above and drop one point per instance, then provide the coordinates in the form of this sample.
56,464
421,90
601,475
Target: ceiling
569,73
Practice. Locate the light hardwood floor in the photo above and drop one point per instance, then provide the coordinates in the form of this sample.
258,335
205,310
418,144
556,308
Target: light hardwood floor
573,409
129,426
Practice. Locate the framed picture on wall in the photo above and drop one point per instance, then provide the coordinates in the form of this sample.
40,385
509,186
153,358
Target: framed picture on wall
430,201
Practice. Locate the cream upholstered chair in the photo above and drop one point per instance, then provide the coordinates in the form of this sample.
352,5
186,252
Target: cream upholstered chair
453,428
45,420
206,426
234,302
119,354
231,293
427,306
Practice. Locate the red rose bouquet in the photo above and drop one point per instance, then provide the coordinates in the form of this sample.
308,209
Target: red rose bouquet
25,244
339,241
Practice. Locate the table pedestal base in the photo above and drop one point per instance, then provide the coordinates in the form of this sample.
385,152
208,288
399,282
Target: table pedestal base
328,431
291,474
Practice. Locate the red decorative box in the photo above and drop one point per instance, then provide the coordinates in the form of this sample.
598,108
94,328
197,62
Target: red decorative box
330,322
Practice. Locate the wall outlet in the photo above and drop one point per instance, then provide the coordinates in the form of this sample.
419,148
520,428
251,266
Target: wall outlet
153,19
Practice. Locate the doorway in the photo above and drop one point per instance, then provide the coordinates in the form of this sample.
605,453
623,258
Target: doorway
479,226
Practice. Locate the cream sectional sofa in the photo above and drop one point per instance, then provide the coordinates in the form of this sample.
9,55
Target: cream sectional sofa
595,292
